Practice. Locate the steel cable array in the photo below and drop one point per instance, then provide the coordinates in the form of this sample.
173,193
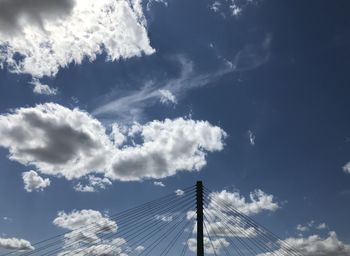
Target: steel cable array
164,227
237,227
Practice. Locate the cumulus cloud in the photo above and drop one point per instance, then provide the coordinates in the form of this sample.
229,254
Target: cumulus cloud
233,8
321,226
106,248
314,246
88,234
5,218
14,13
139,249
93,184
258,201
221,223
57,140
215,6
302,228
218,245
164,217
311,225
83,218
41,37
70,143
179,192
346,168
33,182
168,146
167,97
40,88
15,244
117,135
229,226
251,137
77,221
158,183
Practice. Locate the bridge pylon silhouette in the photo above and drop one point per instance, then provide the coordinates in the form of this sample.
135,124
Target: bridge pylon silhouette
199,210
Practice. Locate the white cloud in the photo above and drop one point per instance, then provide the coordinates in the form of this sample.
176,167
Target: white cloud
259,201
179,192
168,147
251,137
55,139
314,246
5,218
139,249
167,97
234,8
346,168
93,184
228,226
70,143
15,244
220,221
164,217
218,245
117,135
105,248
130,106
33,182
302,228
150,3
40,88
215,6
321,226
14,13
55,34
159,184
88,235
77,221
311,225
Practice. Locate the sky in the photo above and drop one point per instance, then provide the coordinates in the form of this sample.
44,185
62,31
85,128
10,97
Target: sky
108,104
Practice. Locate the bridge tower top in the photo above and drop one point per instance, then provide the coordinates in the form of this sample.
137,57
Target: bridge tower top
199,199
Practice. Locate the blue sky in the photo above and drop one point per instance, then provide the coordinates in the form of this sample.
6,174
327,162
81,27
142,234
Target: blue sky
244,95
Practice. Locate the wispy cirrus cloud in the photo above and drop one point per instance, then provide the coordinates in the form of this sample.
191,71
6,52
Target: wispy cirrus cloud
131,105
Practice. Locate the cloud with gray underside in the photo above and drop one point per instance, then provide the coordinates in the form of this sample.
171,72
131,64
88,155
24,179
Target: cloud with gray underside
70,143
32,11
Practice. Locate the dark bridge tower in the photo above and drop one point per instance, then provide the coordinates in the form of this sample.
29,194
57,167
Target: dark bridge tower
200,244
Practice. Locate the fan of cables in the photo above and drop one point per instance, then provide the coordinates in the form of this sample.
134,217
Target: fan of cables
167,226
231,232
